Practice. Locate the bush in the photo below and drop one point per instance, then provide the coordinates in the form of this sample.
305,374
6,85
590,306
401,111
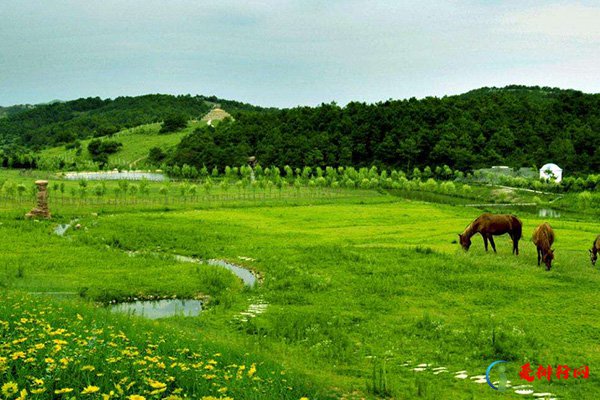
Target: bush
100,150
173,123
584,199
156,156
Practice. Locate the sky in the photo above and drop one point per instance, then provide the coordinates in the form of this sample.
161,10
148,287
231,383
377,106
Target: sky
286,53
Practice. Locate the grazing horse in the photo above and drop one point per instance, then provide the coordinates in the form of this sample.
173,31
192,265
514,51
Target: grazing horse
594,250
488,225
543,237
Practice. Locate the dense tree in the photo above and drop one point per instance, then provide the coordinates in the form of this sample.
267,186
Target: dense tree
515,126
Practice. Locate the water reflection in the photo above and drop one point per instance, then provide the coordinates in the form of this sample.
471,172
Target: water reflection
154,309
548,213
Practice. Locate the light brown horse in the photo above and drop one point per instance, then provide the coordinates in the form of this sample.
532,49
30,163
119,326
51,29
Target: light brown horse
543,237
595,250
488,225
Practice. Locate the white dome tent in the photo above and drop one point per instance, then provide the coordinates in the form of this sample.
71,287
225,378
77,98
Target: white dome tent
551,171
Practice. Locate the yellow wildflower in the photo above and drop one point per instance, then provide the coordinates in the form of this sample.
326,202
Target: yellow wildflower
38,390
136,397
252,370
88,368
10,388
90,389
63,390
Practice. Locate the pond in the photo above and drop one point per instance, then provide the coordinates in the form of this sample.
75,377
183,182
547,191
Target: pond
548,213
154,309
114,176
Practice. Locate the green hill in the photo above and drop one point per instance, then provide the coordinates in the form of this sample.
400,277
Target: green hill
136,142
64,122
516,126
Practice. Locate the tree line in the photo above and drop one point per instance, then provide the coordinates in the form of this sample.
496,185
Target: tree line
515,126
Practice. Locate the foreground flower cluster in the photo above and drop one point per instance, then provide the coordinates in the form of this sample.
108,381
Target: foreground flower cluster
45,353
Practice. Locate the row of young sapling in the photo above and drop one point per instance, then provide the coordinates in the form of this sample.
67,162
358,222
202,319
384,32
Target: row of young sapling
238,183
190,184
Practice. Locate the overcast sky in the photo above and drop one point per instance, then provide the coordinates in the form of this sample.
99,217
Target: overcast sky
286,53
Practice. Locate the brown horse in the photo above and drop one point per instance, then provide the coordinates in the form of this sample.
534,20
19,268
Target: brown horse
543,237
488,225
594,250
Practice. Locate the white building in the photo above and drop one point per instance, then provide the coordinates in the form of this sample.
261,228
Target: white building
551,171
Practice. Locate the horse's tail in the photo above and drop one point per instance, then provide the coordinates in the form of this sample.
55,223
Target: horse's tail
518,228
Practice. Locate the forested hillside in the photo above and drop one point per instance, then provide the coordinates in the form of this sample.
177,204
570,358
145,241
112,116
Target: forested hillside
11,110
64,122
516,126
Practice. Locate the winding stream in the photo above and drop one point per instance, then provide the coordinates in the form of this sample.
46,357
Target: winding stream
154,309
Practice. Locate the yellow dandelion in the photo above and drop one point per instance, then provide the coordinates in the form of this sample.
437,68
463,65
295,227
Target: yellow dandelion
38,390
136,397
88,368
10,388
63,390
90,389
22,395
252,370
156,384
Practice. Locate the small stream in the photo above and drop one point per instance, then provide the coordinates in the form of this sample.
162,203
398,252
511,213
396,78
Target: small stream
155,309
245,275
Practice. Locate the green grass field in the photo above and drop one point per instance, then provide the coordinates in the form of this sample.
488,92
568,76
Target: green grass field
360,289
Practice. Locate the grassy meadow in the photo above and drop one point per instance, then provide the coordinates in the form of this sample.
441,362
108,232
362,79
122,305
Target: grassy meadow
362,286
137,142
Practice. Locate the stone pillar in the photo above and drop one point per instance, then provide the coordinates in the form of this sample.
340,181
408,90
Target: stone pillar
41,210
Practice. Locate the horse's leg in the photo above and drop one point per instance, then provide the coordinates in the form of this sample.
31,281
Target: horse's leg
515,246
492,243
539,255
485,242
